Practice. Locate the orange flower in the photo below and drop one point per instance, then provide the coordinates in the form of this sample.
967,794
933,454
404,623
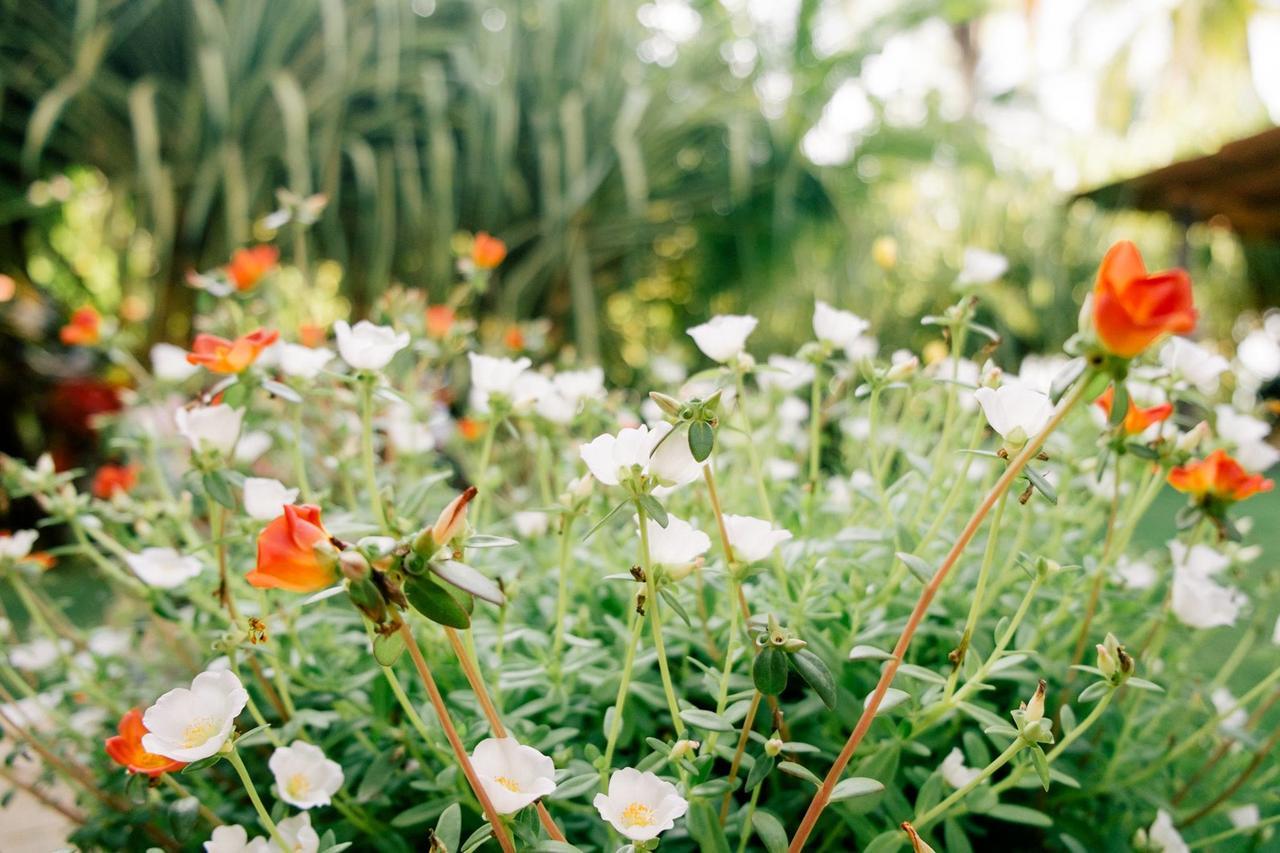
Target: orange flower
289,553
487,251
220,355
110,479
311,335
84,329
126,748
1136,419
1218,477
1132,308
513,338
440,319
248,266
470,428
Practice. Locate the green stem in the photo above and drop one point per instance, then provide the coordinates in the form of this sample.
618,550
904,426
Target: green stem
655,621
620,703
482,472
562,589
979,594
960,793
299,460
366,447
263,817
752,456
1210,840
815,447
1071,737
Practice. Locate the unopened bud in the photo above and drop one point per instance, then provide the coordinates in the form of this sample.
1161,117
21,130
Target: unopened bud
667,403
1035,708
903,370
354,565
684,748
453,518
918,844
368,600
991,376
1107,663
376,547
1194,437
793,644
773,746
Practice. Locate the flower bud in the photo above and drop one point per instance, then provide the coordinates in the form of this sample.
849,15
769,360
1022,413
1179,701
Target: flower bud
1035,708
903,370
669,405
991,376
1106,661
793,644
453,518
354,565
684,748
773,746
1194,437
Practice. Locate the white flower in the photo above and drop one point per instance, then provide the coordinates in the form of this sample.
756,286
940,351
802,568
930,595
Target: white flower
110,642
781,469
578,385
303,362
1186,359
41,653
981,266
611,458
531,524
298,833
1224,702
210,427
304,776
723,337
512,774
265,498
252,445
676,545
490,375
1135,574
407,431
1260,355
785,373
1164,836
1039,371
964,371
169,363
235,839
753,539
1245,817
366,346
1198,600
16,545
836,327
1238,427
954,771
163,568
1015,411
188,724
640,805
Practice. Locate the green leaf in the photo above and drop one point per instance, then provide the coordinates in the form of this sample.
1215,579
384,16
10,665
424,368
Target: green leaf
868,653
1067,718
183,814
1041,764
1042,485
202,763
855,787
704,827
815,673
653,509
919,673
434,602
218,489
800,772
608,515
708,720
954,838
889,841
1094,691
772,834
702,439
1119,404
377,778
922,570
674,603
387,648
1020,814
759,771
769,672
1143,684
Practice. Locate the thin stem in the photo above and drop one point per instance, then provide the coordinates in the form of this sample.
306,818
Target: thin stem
482,472
979,596
562,589
263,817
1070,738
963,791
68,811
823,795
746,823
815,447
1210,840
366,448
459,751
655,622
299,460
748,722
181,790
1260,754
620,703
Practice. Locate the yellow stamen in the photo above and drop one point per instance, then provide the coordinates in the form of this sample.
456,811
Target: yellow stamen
199,731
298,785
637,814
508,783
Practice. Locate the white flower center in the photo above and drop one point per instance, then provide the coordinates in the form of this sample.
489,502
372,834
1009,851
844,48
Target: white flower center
198,731
508,783
637,814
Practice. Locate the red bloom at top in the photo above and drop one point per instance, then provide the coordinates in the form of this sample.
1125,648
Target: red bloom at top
220,355
1136,418
248,266
288,557
487,251
126,748
110,479
1132,308
84,329
1218,477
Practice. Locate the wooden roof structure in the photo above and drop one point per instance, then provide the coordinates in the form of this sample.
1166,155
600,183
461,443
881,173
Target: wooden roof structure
1239,187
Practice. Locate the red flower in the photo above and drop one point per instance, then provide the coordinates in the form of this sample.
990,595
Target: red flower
126,748
289,556
110,479
220,355
248,266
1132,308
1136,419
440,319
84,329
487,251
1218,477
